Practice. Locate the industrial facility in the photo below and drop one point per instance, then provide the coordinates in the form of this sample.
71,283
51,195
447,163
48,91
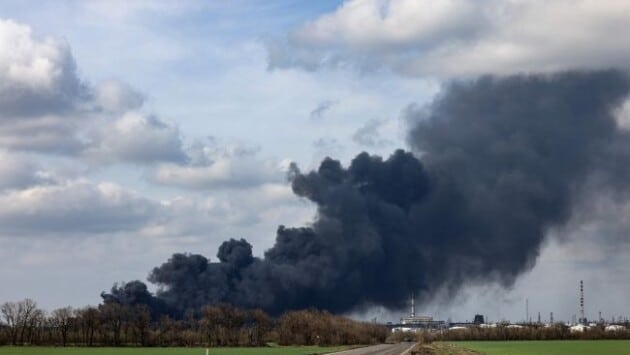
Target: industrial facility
579,323
415,323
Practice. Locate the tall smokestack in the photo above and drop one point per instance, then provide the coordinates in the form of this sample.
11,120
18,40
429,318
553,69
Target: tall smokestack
527,310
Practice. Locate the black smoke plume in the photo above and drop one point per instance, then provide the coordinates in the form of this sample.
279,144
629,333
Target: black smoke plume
495,163
135,293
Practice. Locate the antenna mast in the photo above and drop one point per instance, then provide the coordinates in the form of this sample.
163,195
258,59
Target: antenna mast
413,306
582,318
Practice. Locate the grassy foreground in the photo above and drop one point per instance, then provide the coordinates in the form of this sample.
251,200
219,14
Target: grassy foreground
550,347
280,350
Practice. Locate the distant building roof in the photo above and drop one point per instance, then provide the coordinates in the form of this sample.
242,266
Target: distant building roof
578,328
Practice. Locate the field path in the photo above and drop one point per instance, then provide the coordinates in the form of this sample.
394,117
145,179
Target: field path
382,349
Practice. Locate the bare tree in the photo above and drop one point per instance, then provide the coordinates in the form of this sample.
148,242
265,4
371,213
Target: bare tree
23,319
27,310
61,320
259,324
35,323
10,313
167,332
112,316
140,316
87,318
211,324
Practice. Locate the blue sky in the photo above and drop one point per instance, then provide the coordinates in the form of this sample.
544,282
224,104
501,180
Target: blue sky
240,89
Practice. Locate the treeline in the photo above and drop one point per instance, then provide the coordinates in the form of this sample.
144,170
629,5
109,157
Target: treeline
556,332
114,324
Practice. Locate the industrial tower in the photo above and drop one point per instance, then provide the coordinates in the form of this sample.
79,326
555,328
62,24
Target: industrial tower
582,318
413,306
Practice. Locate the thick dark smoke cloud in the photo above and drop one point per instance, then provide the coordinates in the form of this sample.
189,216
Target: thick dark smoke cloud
135,293
495,163
514,153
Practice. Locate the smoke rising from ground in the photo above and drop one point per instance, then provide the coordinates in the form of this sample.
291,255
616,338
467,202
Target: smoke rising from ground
494,164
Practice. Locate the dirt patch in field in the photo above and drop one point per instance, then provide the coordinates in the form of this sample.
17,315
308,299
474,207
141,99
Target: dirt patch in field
441,349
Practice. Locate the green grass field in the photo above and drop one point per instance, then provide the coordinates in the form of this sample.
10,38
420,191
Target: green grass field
280,350
552,347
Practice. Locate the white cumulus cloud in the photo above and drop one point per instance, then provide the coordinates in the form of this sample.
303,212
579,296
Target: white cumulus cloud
447,38
115,96
46,108
74,207
136,138
219,165
37,75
